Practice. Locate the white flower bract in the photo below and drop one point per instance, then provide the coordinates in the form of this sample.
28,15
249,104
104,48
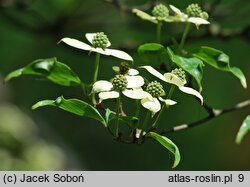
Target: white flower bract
173,79
153,104
182,17
155,91
133,90
109,52
178,17
148,17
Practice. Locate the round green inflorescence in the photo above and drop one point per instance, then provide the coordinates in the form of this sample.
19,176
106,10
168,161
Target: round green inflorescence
124,67
120,83
204,15
155,89
160,10
180,73
194,10
100,40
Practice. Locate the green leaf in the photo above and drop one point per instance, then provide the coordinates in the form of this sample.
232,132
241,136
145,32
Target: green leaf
152,52
144,16
74,106
191,65
244,129
220,61
129,120
167,143
150,47
50,69
109,115
239,74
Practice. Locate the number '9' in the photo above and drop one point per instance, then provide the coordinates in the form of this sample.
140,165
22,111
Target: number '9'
241,177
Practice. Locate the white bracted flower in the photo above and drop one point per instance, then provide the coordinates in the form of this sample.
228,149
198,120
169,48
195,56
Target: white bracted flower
99,44
159,13
182,17
130,86
155,91
172,78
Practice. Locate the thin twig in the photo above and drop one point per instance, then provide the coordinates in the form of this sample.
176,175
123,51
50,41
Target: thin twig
214,114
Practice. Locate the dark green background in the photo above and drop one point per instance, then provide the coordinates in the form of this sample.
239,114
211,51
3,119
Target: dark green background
31,29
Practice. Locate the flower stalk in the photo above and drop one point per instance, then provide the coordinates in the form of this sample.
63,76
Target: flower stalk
96,70
118,101
158,31
170,93
184,36
137,113
147,117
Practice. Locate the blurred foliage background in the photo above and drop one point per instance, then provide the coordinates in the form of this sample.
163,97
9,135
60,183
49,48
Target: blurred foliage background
50,139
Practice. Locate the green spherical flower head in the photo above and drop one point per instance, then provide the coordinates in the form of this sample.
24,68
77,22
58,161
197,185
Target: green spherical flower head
180,73
194,10
120,83
204,15
124,67
155,89
160,10
100,40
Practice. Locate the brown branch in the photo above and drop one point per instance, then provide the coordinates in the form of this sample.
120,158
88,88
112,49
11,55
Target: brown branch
214,114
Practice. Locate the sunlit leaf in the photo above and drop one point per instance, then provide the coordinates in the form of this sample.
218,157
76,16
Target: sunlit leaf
50,69
191,65
167,143
150,47
220,61
244,129
74,106
240,75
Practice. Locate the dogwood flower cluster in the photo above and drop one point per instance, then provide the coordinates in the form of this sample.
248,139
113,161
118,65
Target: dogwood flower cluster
194,15
175,77
99,44
130,86
129,83
155,91
160,12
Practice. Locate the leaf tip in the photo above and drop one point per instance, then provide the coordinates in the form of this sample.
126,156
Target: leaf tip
237,141
134,10
175,165
35,106
6,79
244,85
